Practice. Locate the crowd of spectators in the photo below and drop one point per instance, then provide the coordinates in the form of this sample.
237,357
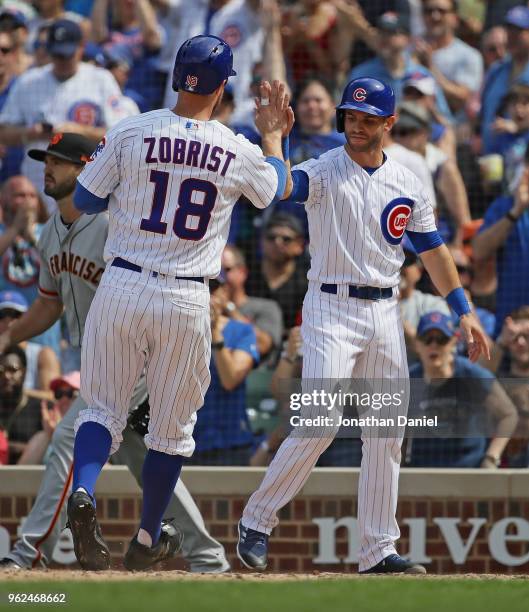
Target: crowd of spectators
460,70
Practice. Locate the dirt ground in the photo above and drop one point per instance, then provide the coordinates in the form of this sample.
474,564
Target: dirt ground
79,575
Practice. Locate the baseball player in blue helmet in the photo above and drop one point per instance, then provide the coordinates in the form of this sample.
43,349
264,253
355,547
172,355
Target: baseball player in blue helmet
366,95
202,64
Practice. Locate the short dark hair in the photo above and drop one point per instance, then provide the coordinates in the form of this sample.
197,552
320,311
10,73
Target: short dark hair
521,313
282,219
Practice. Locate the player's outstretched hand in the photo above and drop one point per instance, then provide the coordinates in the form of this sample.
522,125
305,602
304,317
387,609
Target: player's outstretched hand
271,108
475,337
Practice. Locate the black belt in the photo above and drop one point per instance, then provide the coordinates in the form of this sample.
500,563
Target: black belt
118,262
361,292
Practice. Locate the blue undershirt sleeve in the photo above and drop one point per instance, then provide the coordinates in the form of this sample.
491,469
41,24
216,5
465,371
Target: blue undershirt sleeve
280,168
424,241
87,202
300,186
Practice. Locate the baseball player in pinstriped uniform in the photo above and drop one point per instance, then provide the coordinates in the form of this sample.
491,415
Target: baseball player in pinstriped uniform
359,203
71,249
169,179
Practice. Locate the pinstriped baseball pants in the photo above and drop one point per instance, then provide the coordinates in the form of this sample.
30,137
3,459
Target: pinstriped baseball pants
162,325
344,338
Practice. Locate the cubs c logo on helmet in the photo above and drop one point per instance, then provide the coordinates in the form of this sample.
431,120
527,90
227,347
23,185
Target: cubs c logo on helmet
394,219
359,95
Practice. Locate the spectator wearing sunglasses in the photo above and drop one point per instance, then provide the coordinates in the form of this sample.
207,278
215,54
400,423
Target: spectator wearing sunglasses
494,45
281,275
20,415
456,66
462,395
65,390
42,364
16,23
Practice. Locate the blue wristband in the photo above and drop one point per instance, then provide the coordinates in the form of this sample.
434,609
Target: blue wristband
458,302
285,148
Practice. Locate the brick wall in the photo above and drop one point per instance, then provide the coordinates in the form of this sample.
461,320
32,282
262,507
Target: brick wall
296,542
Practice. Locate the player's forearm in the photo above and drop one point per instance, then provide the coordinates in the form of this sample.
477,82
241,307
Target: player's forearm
487,242
42,314
442,269
49,367
271,145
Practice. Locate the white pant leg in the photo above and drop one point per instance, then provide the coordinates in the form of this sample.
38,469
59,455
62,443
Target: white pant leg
179,351
114,348
327,356
384,358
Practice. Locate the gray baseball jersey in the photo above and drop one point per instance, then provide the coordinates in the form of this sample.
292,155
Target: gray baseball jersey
73,264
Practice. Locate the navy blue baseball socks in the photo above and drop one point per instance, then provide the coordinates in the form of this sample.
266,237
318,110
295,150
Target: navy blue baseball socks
140,557
395,564
90,548
252,548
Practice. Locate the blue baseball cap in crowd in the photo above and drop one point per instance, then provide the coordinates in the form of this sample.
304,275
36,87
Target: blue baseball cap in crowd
435,320
13,300
13,17
518,17
64,38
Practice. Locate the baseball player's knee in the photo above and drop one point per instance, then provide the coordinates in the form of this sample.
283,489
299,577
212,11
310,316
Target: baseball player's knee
113,424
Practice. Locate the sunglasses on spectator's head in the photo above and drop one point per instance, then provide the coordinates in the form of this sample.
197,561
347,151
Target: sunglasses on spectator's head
8,313
275,237
442,340
59,393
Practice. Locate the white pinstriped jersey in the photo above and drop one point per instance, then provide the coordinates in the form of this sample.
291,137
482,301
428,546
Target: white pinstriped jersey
173,182
357,220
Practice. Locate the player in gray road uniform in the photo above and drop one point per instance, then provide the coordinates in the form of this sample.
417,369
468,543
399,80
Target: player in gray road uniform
71,250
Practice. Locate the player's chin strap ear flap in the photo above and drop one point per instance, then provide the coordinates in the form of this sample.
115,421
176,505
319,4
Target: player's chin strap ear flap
340,120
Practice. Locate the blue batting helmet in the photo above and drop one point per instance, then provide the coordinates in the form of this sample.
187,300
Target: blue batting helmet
367,95
202,64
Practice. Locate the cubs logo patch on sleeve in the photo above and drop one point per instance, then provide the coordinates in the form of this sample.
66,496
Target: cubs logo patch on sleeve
395,218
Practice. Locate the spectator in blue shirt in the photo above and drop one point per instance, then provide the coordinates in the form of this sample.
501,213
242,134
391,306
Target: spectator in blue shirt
394,60
463,396
10,157
222,433
134,25
503,74
511,134
505,234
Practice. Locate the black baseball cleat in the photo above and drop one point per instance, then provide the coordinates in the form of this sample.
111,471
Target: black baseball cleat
8,564
140,557
252,548
90,548
395,564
